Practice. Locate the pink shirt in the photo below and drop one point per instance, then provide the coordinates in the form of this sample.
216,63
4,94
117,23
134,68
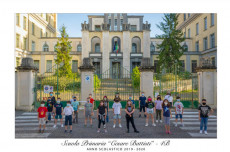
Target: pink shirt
158,104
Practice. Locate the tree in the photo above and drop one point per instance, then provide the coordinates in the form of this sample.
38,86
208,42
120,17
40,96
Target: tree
136,77
63,48
170,48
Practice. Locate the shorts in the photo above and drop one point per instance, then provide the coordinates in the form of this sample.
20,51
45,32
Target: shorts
58,116
68,120
149,111
167,120
117,116
42,121
177,115
88,114
142,107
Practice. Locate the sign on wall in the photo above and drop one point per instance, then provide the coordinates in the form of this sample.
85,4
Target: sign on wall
48,89
87,79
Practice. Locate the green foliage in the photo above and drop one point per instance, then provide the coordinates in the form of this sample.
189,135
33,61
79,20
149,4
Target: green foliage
185,75
97,82
170,48
136,77
63,48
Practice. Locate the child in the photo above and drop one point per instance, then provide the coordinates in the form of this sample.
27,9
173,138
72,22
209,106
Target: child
88,111
167,114
106,103
91,100
117,110
58,111
129,109
179,110
169,98
52,98
203,116
142,100
49,106
75,105
130,98
158,108
68,111
42,116
101,112
150,109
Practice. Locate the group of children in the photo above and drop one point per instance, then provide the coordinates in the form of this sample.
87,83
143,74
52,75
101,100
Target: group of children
147,105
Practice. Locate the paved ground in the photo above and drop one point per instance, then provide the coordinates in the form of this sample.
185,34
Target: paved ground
26,126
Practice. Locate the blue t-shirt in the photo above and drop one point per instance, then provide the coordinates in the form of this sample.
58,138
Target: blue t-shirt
142,99
75,105
58,108
166,112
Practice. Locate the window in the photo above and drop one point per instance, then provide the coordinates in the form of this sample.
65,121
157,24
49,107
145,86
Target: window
188,33
79,48
18,19
97,28
33,28
133,27
17,40
212,40
188,14
97,47
197,46
121,24
46,47
182,68
134,47
197,28
185,46
205,23
115,25
155,66
152,47
110,14
184,16
48,65
24,23
24,43
36,64
194,65
41,33
74,66
33,46
205,43
213,61
120,14
212,19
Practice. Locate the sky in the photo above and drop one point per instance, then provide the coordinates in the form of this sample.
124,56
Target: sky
73,22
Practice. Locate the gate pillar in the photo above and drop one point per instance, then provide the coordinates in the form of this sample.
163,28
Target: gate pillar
25,84
207,82
146,77
87,79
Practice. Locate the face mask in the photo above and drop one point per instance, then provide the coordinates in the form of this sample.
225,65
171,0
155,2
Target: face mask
51,94
101,104
158,99
58,101
42,105
142,94
104,98
203,103
165,103
130,97
74,99
68,104
178,100
88,101
116,95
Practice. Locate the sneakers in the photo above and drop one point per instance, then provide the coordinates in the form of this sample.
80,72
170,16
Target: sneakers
54,126
136,131
201,131
146,125
98,131
120,125
65,131
154,124
156,121
161,121
205,132
176,125
62,125
114,126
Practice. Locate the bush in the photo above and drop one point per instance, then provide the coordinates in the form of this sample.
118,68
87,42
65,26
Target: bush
136,77
97,82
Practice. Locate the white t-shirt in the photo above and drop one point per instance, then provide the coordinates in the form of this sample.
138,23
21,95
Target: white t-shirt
117,107
68,110
169,98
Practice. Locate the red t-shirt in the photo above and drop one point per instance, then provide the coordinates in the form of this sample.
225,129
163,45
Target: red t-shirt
42,112
91,100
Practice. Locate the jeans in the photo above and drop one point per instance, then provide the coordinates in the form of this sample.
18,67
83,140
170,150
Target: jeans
203,122
101,119
49,115
158,114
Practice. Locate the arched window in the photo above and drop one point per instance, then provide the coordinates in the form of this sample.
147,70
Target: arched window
97,47
79,47
46,47
185,46
116,44
134,47
152,47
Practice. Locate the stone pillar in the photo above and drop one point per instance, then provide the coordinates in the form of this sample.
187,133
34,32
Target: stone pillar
207,83
87,80
25,85
146,77
106,49
126,49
